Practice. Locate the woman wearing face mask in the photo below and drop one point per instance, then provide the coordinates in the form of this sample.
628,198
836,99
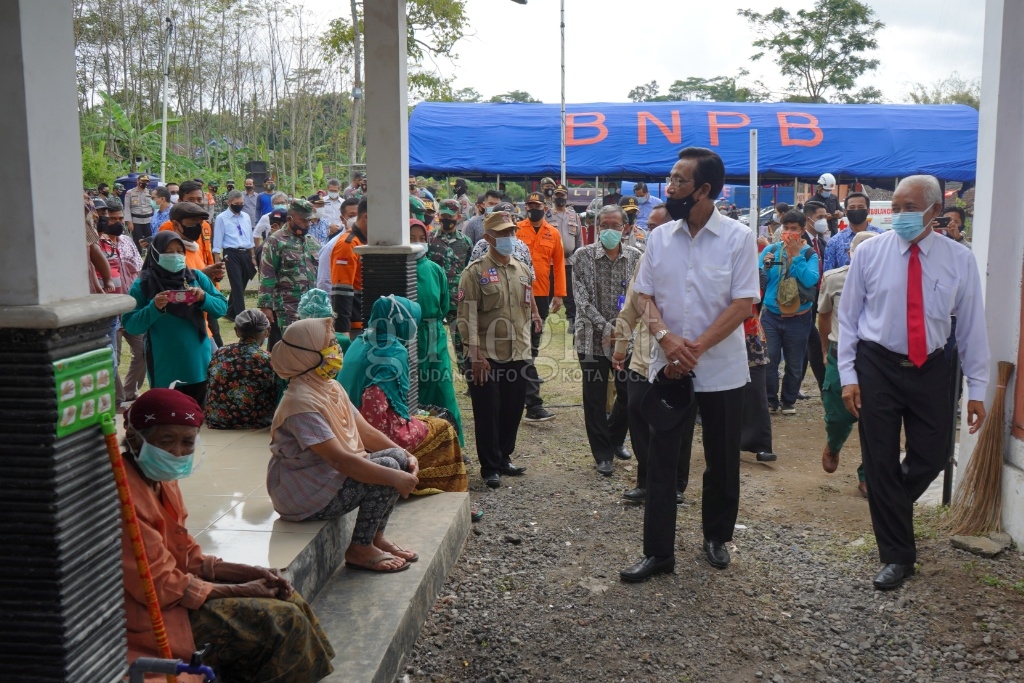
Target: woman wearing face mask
376,377
243,389
178,347
273,633
326,459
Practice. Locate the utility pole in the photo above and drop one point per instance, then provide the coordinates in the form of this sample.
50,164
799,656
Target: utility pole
563,91
357,93
167,73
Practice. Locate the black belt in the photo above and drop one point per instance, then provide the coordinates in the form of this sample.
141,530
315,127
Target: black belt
245,249
898,358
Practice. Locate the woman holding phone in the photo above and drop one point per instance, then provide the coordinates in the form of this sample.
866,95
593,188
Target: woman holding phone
170,303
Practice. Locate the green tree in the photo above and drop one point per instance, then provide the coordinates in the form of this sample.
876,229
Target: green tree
717,89
646,92
953,89
822,50
466,95
514,96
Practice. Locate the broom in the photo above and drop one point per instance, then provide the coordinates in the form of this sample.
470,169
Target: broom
979,498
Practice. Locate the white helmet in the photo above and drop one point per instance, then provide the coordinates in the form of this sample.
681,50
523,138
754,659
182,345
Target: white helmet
827,181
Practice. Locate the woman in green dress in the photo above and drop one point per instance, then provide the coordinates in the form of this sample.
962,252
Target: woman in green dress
436,386
171,304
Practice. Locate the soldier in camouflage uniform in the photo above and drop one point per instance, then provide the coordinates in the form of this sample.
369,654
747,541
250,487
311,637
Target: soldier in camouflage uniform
288,269
450,249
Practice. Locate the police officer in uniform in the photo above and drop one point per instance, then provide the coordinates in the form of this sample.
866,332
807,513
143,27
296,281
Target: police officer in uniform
565,219
495,314
632,236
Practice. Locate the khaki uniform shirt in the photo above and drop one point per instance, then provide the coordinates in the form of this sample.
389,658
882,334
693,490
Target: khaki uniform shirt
567,223
630,318
494,311
828,297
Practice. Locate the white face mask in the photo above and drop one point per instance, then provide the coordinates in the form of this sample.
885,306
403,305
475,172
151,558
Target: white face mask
174,199
821,226
332,195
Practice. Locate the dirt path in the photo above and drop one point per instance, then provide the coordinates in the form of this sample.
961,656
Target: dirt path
536,597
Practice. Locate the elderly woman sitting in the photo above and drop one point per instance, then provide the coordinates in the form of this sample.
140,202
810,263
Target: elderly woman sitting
376,377
243,388
261,629
326,460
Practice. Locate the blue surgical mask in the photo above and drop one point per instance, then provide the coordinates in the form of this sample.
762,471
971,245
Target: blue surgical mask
174,263
282,207
908,224
610,238
504,245
160,465
488,209
826,193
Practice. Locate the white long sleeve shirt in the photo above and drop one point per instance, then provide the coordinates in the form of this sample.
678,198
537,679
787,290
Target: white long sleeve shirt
874,304
323,270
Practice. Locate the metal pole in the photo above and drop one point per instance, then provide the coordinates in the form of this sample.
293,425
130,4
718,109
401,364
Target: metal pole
754,208
563,92
357,93
947,475
167,73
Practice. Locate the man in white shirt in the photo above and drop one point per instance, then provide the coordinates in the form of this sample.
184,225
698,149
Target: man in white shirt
894,320
696,285
332,205
233,243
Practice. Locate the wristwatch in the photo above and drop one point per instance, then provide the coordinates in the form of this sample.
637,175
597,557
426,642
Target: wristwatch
658,336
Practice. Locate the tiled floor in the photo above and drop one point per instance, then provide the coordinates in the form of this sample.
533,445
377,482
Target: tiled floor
230,514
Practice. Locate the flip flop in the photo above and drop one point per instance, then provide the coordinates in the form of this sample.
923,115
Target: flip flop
374,561
397,548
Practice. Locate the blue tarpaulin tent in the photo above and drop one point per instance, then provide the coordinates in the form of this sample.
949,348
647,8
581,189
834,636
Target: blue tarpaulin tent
642,139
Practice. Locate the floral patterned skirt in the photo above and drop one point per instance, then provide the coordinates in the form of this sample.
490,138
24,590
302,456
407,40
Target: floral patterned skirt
441,465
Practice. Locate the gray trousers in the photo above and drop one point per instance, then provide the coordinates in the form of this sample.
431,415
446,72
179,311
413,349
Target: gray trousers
128,388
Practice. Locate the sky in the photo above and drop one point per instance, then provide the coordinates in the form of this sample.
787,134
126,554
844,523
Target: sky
613,46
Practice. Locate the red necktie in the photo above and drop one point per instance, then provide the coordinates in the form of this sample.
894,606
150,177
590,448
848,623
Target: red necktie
917,338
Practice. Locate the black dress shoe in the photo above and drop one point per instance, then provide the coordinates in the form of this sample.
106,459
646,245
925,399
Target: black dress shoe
716,553
621,453
648,567
765,456
494,480
606,468
892,576
680,498
510,470
636,495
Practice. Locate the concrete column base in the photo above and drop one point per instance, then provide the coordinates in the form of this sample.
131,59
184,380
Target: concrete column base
61,600
392,270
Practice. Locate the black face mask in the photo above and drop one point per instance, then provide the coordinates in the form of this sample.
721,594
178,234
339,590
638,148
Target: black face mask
104,226
297,231
548,191
236,208
630,218
857,216
460,189
679,209
447,224
561,201
104,192
192,232
535,214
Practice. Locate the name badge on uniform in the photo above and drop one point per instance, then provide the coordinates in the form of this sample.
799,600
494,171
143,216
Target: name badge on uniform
492,275
527,294
622,301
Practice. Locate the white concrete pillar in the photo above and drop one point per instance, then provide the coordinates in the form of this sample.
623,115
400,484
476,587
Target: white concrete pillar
44,260
998,230
387,123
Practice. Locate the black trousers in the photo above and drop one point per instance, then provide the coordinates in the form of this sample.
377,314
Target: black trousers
814,357
895,394
721,424
141,232
238,263
637,387
497,411
757,421
275,334
196,391
568,301
533,380
606,432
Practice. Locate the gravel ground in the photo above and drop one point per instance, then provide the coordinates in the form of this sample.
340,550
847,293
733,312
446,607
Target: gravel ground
535,595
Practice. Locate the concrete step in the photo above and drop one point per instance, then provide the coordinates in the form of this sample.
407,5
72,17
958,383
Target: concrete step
373,620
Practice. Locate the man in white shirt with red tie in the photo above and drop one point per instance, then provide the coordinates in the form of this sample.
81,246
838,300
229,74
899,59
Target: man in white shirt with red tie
894,319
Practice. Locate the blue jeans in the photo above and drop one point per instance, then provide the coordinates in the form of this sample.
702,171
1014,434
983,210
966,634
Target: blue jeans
787,338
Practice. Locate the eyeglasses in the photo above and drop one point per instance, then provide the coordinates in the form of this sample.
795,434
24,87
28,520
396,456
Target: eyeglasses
679,182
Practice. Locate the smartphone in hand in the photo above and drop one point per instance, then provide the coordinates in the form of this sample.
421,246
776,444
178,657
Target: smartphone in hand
181,296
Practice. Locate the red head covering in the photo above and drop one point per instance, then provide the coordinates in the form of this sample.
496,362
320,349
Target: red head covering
164,407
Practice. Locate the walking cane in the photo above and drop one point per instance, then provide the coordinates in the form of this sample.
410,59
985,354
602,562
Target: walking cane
135,535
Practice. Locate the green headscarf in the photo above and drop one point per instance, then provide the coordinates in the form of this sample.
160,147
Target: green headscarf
379,356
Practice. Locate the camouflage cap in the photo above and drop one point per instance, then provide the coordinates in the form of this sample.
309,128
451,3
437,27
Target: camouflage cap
302,207
449,207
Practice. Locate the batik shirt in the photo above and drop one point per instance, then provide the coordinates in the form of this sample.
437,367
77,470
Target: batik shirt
599,288
837,251
242,388
451,252
757,343
288,271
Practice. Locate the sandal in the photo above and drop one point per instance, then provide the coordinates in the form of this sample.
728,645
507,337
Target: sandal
395,548
372,563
